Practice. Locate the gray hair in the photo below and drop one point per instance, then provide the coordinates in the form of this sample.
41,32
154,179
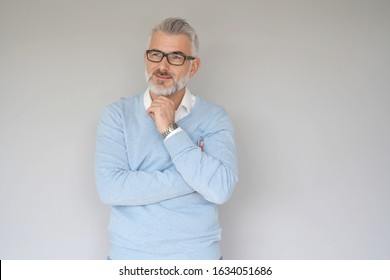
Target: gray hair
178,26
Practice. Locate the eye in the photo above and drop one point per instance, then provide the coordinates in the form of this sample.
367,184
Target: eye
176,57
155,54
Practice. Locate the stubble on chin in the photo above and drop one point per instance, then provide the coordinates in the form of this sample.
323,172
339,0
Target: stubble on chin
160,88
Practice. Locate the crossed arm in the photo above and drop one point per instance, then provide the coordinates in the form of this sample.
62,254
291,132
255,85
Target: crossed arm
209,169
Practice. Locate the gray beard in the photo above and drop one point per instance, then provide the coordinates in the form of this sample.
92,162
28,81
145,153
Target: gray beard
161,91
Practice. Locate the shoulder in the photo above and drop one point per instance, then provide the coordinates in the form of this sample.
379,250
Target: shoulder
209,108
213,115
122,106
126,102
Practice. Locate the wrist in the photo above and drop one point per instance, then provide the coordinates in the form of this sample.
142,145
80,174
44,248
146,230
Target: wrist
171,127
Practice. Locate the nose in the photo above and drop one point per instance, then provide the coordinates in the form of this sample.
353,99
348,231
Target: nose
164,64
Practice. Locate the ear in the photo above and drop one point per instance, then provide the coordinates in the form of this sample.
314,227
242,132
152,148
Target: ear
195,66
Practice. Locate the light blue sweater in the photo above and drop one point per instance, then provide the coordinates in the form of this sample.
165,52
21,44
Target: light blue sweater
164,193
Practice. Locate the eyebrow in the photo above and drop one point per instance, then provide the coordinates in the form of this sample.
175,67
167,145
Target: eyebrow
174,52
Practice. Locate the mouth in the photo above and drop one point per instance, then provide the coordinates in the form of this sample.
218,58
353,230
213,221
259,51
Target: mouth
164,77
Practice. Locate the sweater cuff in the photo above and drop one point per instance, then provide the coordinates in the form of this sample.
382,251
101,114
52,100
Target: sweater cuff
179,142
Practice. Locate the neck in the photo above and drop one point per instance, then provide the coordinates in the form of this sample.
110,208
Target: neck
176,97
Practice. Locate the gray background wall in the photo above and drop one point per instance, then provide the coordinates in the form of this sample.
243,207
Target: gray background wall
306,84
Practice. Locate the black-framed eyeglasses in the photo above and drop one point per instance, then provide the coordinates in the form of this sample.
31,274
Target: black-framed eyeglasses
174,58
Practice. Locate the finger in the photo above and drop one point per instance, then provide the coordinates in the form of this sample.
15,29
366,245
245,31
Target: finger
201,145
162,100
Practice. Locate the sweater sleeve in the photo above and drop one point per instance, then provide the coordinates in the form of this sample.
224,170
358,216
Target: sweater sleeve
117,184
212,172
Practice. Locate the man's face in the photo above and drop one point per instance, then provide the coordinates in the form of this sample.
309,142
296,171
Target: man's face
164,78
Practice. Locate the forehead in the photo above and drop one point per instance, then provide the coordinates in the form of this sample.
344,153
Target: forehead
170,42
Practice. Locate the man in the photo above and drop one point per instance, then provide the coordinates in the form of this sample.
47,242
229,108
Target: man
166,158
